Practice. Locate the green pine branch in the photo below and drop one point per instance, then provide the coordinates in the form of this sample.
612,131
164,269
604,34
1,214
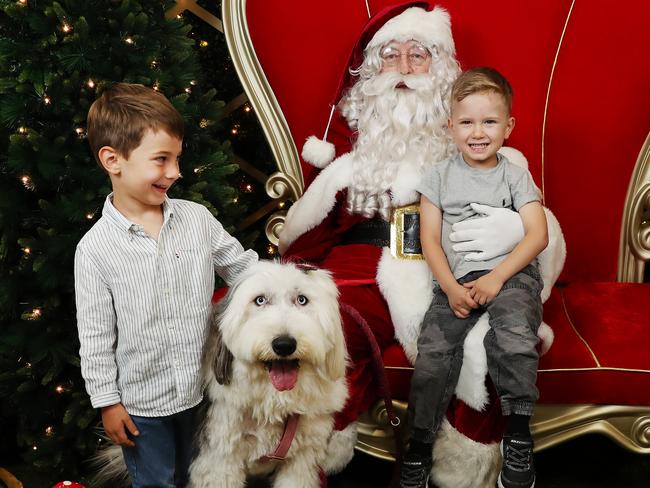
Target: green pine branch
56,58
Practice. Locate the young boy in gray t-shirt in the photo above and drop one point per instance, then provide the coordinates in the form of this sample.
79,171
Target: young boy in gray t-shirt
507,286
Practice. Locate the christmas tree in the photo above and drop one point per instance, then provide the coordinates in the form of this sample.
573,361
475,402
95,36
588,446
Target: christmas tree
55,59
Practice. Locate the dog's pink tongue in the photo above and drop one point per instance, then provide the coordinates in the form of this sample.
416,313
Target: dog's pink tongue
284,375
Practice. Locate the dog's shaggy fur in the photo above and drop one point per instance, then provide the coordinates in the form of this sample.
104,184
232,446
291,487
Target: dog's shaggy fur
275,348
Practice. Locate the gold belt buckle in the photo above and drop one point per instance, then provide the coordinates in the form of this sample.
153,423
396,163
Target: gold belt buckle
398,221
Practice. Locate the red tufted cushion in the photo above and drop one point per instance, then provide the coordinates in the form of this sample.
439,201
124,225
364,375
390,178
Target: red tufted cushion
600,352
604,354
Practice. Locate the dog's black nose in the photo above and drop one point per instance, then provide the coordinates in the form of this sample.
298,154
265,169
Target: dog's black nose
284,345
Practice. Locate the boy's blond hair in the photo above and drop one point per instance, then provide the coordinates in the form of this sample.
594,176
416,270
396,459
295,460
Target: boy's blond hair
478,80
124,112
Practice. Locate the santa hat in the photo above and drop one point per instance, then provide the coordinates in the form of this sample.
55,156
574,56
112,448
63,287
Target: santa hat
401,22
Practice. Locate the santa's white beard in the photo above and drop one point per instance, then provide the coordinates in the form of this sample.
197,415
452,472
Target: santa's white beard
394,125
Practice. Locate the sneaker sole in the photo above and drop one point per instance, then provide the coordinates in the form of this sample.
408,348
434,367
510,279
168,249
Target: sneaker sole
500,485
428,482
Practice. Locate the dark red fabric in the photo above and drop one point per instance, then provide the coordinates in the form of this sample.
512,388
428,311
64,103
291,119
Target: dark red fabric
315,245
599,386
486,427
614,320
568,350
362,383
219,294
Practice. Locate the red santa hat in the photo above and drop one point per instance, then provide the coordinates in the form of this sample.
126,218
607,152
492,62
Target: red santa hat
401,22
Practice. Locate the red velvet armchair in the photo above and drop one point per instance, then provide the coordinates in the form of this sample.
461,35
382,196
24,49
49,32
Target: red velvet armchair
579,72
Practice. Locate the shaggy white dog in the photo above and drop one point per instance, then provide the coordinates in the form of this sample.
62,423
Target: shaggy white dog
274,349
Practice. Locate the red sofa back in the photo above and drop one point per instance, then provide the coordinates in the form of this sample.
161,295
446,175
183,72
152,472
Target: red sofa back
582,142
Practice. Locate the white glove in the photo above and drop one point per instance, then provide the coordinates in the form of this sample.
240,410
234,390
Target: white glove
493,235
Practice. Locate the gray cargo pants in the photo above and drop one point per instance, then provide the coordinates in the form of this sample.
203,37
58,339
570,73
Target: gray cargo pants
510,345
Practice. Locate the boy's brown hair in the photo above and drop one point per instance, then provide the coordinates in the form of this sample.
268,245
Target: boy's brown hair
477,80
124,112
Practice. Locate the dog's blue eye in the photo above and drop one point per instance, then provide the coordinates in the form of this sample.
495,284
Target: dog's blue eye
302,300
260,300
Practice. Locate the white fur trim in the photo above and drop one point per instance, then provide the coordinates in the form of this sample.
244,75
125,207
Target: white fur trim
407,287
471,382
430,28
514,156
551,260
546,337
518,159
459,462
340,449
317,152
316,202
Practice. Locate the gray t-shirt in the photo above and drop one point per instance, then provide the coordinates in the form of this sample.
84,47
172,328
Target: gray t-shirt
453,184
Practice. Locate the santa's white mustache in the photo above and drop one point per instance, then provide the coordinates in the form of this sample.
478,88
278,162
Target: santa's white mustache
385,82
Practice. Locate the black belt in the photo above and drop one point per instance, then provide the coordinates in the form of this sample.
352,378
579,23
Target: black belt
372,231
376,232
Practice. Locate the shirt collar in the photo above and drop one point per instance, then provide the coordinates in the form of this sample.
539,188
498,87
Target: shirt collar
461,160
115,216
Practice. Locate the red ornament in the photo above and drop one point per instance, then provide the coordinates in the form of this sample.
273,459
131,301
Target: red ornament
68,484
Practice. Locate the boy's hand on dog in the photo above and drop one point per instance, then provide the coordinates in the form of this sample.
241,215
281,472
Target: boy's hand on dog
115,418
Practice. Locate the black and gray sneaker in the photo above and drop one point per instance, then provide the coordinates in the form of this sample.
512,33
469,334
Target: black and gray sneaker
415,471
518,470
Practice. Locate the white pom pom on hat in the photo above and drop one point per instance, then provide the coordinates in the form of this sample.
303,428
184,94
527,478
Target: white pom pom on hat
318,152
417,20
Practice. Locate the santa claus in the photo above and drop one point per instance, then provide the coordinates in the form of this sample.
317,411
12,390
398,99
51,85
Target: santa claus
358,220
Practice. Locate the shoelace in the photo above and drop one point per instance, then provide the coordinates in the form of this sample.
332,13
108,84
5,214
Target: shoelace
518,459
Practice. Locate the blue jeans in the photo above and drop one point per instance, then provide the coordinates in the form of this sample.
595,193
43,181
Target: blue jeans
163,451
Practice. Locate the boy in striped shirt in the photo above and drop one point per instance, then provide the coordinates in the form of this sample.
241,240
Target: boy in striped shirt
144,278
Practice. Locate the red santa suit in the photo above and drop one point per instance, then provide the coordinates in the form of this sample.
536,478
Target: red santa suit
392,294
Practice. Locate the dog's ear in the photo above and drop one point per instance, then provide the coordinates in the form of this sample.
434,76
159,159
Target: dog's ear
336,359
222,362
216,355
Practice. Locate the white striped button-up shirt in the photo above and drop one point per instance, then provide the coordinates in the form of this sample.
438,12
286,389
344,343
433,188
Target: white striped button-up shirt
143,305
